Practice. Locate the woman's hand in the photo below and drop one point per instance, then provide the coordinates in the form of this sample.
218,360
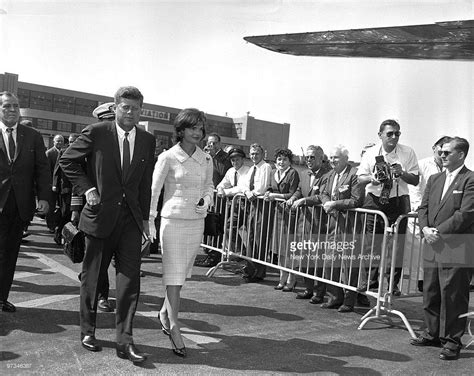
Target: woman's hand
203,205
152,228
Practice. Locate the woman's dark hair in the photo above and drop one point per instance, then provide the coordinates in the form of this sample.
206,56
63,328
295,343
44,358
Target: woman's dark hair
188,118
284,153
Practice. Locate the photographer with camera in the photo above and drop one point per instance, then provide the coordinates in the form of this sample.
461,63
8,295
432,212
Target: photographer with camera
387,169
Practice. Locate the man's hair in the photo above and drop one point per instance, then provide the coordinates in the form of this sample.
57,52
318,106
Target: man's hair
128,92
188,118
257,146
318,149
388,122
442,141
214,134
7,94
460,144
342,150
284,153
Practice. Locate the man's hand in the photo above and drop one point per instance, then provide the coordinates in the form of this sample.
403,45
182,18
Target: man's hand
43,206
431,234
374,180
289,202
329,206
220,192
298,203
269,196
75,217
93,198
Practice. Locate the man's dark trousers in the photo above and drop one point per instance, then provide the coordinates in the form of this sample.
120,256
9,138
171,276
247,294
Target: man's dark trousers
125,242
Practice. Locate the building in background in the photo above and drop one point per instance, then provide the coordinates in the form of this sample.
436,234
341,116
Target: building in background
61,111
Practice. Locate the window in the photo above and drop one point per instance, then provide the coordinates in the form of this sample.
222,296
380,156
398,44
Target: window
64,126
41,101
63,104
24,98
44,124
84,107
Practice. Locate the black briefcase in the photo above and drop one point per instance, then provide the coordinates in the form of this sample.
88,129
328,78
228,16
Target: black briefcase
74,243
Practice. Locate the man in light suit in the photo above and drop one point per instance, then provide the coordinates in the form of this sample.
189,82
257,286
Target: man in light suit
446,217
341,192
23,168
311,184
117,187
52,154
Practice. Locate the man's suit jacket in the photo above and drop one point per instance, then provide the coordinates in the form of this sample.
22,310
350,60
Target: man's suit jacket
453,216
28,174
221,164
312,191
348,194
98,147
52,154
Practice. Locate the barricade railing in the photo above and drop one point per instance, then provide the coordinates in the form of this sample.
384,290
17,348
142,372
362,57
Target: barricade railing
353,249
405,253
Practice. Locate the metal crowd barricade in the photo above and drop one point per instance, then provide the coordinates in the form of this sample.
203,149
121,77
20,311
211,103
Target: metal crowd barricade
410,263
330,249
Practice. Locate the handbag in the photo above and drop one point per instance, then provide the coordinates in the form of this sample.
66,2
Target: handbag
74,243
213,224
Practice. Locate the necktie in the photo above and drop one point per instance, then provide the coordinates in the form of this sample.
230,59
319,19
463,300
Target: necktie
252,179
334,185
235,179
11,144
126,156
447,183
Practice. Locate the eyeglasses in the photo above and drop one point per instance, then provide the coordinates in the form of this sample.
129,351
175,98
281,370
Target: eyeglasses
444,153
310,157
396,133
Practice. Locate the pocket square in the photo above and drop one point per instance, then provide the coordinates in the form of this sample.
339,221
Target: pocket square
457,192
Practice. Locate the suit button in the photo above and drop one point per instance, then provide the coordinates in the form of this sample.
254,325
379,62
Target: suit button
119,203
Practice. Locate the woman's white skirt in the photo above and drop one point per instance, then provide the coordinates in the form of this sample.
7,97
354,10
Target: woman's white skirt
180,243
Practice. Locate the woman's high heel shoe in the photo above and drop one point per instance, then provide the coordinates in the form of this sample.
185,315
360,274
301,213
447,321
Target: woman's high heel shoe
289,288
164,329
178,351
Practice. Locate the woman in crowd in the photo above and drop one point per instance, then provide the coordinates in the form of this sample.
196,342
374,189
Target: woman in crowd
284,183
185,172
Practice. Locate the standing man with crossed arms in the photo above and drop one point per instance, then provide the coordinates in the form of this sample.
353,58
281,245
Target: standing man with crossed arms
117,186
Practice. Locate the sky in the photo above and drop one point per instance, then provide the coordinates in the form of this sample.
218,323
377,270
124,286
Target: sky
192,54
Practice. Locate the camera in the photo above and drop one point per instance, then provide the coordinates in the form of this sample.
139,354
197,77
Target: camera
383,174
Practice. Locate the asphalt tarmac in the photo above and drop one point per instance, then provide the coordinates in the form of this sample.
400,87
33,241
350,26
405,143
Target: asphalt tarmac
229,327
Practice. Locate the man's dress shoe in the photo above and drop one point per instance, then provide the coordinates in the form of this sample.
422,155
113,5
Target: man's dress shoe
316,299
363,301
7,306
422,341
331,304
90,343
104,306
449,354
130,352
345,308
306,294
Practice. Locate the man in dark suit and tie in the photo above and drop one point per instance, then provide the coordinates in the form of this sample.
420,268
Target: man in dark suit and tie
446,217
52,154
119,160
23,169
311,185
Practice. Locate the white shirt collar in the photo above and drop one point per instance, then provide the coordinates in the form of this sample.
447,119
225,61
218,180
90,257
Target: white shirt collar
121,132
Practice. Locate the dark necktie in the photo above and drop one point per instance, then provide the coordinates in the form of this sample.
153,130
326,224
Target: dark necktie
252,179
235,179
126,156
334,186
11,144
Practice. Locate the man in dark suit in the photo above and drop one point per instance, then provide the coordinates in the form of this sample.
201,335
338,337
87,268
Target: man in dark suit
119,160
311,185
53,217
446,217
23,169
341,192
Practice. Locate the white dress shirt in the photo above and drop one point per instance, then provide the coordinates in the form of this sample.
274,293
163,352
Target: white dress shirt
227,183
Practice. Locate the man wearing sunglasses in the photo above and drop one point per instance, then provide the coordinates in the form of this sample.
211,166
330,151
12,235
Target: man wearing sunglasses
403,172
446,217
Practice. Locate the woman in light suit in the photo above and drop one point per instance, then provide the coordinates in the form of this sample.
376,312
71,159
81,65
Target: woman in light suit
185,171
